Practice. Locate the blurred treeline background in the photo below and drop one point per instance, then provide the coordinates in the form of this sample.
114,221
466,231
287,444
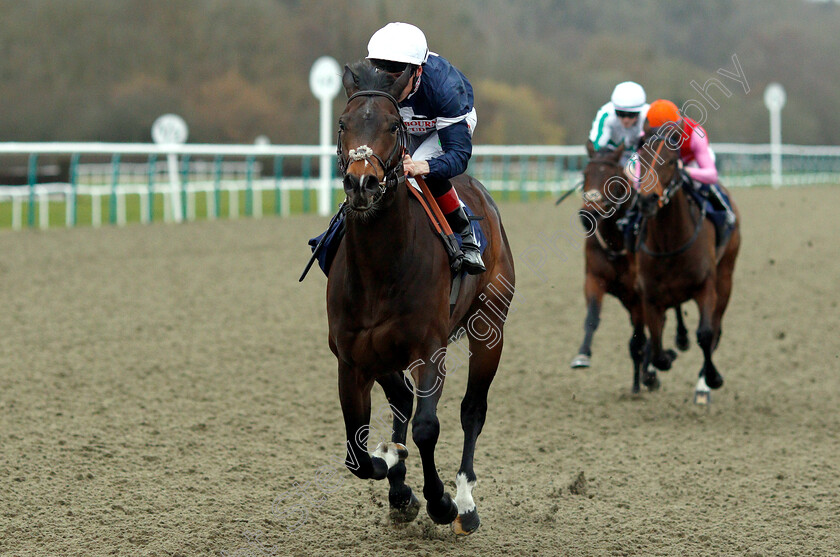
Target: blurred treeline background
103,70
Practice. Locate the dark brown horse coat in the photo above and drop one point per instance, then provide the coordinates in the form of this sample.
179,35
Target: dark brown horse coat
677,260
388,305
610,268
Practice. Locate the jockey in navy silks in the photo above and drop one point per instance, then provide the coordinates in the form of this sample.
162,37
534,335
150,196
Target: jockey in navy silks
437,108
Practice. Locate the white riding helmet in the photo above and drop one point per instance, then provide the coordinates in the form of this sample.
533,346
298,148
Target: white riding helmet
399,42
628,96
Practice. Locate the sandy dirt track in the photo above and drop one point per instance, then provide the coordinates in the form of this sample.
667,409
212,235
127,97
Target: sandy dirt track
162,385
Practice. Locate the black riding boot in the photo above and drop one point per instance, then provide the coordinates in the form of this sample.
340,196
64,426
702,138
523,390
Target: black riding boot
460,224
724,225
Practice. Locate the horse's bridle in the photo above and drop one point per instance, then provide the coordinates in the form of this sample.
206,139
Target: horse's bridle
677,179
588,197
393,173
594,196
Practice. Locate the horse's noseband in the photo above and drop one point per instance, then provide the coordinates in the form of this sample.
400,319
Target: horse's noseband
393,173
592,196
361,153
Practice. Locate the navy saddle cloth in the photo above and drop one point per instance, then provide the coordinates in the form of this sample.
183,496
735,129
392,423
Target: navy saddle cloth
335,232
703,196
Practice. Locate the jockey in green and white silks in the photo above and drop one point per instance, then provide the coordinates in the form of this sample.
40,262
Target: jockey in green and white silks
621,120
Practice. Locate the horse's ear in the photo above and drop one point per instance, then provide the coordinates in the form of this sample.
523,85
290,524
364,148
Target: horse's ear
399,85
590,148
350,81
616,155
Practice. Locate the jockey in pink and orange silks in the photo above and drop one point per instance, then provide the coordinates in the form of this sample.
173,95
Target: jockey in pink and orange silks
698,160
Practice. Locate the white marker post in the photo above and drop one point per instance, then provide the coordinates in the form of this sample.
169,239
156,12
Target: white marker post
774,100
325,82
170,129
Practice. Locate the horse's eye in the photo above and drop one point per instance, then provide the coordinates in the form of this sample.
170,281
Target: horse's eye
341,126
394,128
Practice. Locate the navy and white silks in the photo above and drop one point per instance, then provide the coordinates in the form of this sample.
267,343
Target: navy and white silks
440,118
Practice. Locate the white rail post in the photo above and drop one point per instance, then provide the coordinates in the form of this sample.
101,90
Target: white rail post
774,100
325,82
170,129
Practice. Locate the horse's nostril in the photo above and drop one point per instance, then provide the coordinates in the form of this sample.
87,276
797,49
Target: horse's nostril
351,183
369,182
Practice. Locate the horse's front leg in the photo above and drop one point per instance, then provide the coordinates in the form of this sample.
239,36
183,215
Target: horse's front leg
425,429
682,333
594,292
633,304
404,504
707,334
654,355
354,392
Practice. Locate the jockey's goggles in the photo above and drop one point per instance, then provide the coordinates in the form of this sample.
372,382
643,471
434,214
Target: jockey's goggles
625,114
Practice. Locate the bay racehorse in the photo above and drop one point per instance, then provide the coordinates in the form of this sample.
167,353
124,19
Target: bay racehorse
610,265
677,258
388,305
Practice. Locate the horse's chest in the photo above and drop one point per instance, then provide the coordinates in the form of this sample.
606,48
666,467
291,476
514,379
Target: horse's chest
379,347
667,284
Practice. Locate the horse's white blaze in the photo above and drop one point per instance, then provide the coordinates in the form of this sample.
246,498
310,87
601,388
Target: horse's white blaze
387,452
464,498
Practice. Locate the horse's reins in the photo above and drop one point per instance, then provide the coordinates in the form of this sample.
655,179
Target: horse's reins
392,173
395,175
673,186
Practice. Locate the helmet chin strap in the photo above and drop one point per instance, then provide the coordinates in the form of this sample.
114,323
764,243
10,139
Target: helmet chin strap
416,82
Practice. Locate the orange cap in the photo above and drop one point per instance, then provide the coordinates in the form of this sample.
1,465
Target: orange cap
662,111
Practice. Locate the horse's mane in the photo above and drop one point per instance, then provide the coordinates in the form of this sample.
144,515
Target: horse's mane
605,154
369,79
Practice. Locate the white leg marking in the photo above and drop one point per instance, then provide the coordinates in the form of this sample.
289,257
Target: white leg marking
581,360
702,393
464,498
387,452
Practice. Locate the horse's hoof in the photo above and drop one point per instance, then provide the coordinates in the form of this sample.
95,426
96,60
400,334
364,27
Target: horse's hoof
702,394
444,512
683,343
391,452
467,523
664,361
651,381
715,381
403,514
579,361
